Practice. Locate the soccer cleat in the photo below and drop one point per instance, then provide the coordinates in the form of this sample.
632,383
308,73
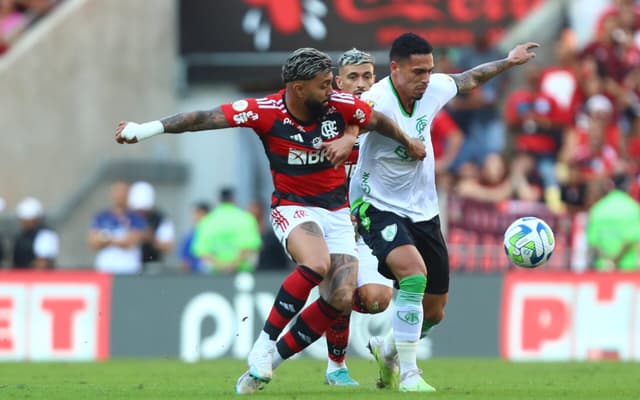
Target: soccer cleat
388,370
247,384
340,377
260,362
411,381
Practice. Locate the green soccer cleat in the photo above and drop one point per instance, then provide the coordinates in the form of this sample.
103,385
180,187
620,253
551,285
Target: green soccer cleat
388,371
340,377
411,381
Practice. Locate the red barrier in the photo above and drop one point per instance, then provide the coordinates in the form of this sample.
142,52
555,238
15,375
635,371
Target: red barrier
59,315
570,316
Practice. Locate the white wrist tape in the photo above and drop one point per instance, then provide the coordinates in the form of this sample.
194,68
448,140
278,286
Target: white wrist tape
142,131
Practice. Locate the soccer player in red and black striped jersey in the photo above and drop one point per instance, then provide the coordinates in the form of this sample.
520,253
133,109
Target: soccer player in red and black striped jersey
303,132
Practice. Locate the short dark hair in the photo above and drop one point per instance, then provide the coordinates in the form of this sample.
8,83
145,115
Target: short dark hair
304,64
203,206
227,195
407,44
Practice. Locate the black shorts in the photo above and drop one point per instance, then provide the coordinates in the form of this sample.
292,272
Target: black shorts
383,231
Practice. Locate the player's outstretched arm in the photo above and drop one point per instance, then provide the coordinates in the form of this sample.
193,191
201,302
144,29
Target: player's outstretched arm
476,76
130,132
386,127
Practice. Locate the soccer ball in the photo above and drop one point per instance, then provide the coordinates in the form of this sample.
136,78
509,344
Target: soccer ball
529,242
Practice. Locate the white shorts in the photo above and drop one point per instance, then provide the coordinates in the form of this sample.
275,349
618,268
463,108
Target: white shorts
368,267
335,225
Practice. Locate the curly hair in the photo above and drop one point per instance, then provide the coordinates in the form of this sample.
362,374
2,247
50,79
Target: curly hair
355,57
304,64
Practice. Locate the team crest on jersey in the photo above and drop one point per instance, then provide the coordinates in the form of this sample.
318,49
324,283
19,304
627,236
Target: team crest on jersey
316,142
329,129
360,115
389,232
240,105
421,123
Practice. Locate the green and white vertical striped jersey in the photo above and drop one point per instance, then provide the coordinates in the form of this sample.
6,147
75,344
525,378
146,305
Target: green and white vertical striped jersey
385,176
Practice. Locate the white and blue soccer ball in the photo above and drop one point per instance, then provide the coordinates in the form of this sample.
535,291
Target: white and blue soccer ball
529,242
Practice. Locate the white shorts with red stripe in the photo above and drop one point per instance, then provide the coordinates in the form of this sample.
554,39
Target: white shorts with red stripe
336,226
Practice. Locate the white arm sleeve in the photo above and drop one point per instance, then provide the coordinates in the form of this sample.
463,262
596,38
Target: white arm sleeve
46,244
165,232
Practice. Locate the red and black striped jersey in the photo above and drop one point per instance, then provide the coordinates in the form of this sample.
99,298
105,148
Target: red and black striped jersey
301,173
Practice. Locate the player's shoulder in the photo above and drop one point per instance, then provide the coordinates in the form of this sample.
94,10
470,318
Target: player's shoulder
379,93
271,101
442,80
342,98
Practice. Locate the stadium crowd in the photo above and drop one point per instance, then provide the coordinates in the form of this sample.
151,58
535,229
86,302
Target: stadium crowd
16,16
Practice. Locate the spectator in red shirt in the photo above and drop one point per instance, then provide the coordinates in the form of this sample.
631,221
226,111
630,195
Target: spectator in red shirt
532,117
562,80
446,138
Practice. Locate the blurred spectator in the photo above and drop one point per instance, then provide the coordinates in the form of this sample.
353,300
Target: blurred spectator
592,146
532,117
35,246
446,138
159,236
626,11
272,255
189,262
574,190
477,112
117,235
613,229
561,81
12,23
17,15
495,184
228,238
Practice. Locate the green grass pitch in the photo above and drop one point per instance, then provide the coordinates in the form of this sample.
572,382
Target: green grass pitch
302,379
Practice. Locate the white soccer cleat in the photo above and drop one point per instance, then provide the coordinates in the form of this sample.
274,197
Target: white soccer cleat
247,384
260,362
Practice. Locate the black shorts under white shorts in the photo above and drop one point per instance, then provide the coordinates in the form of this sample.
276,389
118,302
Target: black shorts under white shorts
383,231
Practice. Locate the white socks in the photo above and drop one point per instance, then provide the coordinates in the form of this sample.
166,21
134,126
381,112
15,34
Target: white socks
334,366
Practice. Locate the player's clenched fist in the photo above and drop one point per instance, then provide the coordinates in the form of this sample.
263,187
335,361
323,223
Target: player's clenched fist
416,149
130,132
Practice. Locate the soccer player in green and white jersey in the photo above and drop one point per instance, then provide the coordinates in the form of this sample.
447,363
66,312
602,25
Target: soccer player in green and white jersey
394,199
373,291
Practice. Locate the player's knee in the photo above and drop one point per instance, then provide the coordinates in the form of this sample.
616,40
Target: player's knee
375,300
319,265
341,298
434,316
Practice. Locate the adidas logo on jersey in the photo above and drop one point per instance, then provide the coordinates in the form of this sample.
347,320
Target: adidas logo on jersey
297,138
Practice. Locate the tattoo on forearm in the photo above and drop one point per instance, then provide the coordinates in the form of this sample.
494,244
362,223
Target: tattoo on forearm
311,228
474,77
343,271
386,127
195,121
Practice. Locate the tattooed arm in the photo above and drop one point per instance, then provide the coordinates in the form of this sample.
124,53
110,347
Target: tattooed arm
387,127
130,132
474,77
195,121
